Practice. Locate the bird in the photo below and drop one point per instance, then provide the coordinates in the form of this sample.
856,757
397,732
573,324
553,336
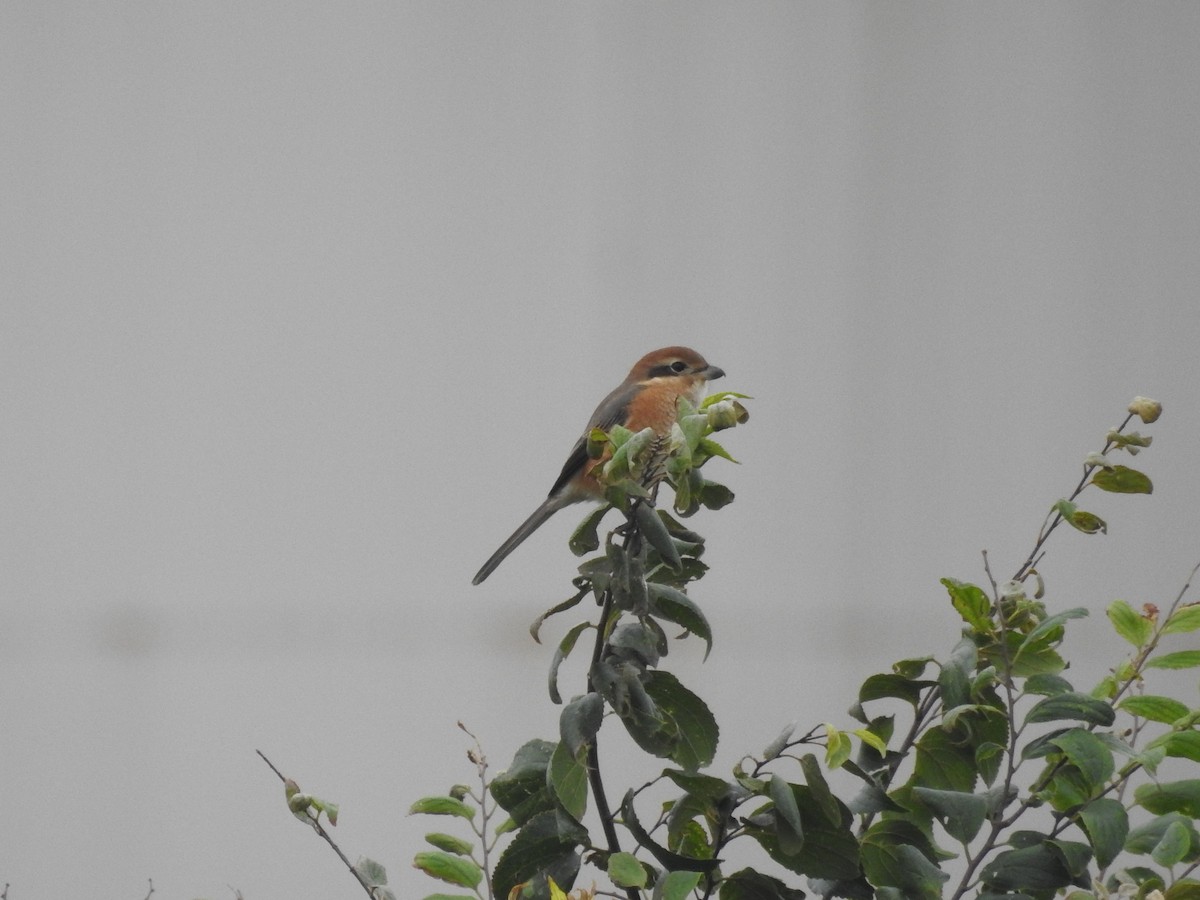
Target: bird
647,398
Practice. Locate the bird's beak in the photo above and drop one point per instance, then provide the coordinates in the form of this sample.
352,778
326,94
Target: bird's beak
712,373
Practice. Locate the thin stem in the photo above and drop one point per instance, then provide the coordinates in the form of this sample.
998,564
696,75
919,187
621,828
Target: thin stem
997,824
481,831
1047,529
593,767
631,544
314,821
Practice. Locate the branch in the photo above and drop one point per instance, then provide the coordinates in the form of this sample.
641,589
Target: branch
603,810
314,821
1056,520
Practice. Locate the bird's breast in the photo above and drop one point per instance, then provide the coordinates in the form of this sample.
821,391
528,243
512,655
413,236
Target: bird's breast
656,405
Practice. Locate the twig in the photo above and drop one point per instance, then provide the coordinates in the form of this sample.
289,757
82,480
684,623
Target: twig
481,765
148,893
997,823
603,810
1047,529
314,821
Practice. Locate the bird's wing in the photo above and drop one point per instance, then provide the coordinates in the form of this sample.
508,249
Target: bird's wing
613,410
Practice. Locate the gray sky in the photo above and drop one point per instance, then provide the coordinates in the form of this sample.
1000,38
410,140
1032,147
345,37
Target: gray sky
305,303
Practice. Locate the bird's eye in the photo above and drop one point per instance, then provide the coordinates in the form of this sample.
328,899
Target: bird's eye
678,366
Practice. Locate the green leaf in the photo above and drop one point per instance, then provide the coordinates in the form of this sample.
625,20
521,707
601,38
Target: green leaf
1122,480
536,626
956,671
1183,890
372,872
677,885
1051,625
625,870
912,668
1182,659
900,687
666,858
697,732
1046,684
943,764
675,606
709,447
988,757
544,847
1107,825
686,835
1179,744
1174,796
1068,788
787,821
1129,624
449,843
568,777
1154,708
971,603
565,646
1184,619
890,861
1073,705
706,786
585,539
1175,845
961,814
442,806
638,642
830,806
1144,838
449,868
1038,658
655,532
828,851
872,740
580,721
1035,868
1086,522
837,747
747,884
1087,753
631,453
714,496
1073,855
523,791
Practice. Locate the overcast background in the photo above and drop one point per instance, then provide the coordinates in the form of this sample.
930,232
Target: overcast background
301,306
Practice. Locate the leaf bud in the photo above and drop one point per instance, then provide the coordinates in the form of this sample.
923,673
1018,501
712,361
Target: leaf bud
1146,409
722,415
1012,590
777,746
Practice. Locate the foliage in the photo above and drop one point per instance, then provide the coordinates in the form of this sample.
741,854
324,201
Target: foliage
982,772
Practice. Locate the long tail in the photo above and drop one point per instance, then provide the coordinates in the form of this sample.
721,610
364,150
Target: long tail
549,507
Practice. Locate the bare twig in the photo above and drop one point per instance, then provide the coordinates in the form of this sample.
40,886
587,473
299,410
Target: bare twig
481,766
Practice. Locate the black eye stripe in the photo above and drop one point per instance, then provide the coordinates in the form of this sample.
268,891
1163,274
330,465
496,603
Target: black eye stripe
678,367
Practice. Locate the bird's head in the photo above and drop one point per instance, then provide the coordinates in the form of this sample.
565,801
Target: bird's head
674,362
